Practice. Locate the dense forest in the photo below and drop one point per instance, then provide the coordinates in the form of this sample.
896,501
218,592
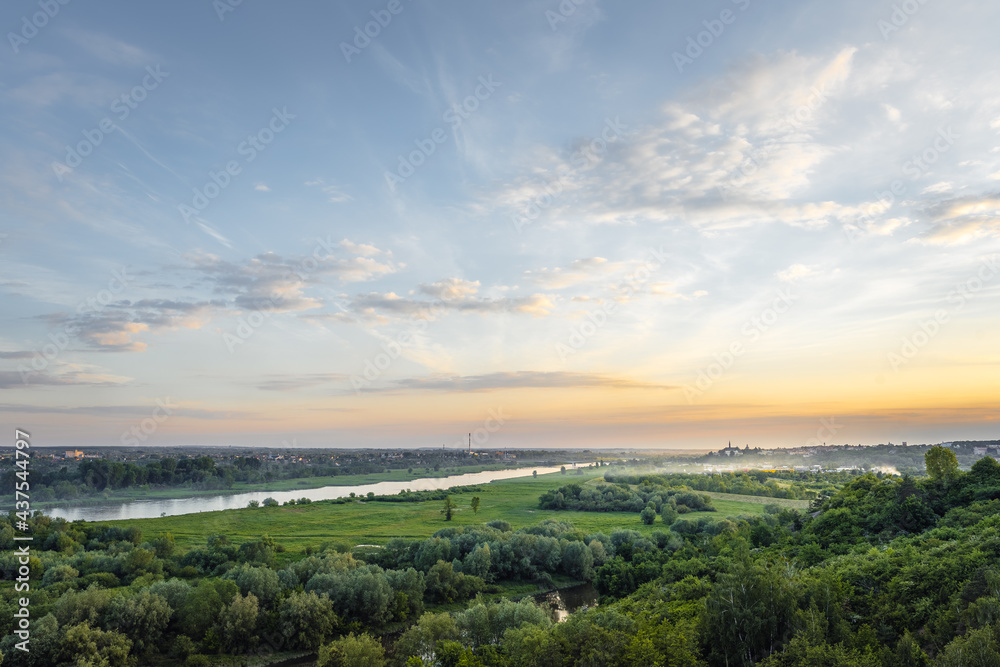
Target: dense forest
890,571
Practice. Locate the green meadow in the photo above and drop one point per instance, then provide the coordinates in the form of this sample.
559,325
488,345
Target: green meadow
358,523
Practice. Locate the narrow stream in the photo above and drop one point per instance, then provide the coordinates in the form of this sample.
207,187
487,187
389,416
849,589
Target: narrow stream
567,600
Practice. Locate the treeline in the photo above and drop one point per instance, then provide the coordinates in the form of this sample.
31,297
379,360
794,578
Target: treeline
96,476
407,496
751,483
621,497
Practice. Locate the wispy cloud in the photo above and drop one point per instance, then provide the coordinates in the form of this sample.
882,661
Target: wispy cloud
66,376
107,48
536,305
520,380
334,193
295,382
964,219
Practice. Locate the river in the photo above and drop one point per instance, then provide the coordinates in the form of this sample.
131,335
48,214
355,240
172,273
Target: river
149,509
565,601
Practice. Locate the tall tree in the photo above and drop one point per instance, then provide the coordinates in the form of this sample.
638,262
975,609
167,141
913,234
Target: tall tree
475,504
237,623
942,466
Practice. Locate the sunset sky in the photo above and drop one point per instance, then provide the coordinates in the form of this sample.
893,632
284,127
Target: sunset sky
581,224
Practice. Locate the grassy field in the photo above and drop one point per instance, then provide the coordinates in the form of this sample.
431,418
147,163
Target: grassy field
719,498
357,523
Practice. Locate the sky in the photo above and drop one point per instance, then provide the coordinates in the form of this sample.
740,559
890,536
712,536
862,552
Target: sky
557,224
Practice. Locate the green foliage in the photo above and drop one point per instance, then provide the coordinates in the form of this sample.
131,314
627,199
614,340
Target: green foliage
578,560
486,623
446,585
85,646
648,515
262,582
479,562
46,641
748,613
942,465
362,593
87,606
352,651
183,647
804,651
204,604
258,552
622,497
532,646
978,648
59,573
669,513
237,624
306,620
142,617
421,639
174,591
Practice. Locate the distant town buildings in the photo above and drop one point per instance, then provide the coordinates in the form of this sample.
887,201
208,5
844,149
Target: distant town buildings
736,451
980,452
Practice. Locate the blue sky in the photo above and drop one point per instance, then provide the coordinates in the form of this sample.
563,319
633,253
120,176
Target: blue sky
645,224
